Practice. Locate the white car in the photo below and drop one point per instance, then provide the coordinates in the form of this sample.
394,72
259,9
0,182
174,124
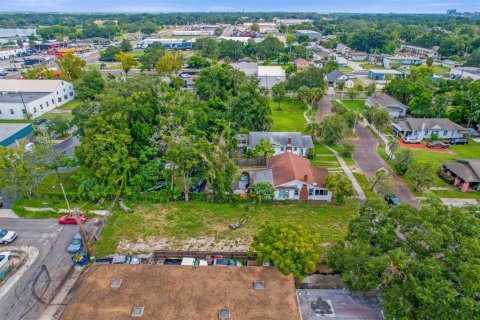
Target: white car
410,140
4,257
194,262
7,237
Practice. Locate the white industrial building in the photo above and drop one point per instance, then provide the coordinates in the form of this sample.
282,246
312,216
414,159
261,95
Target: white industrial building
465,72
35,97
7,53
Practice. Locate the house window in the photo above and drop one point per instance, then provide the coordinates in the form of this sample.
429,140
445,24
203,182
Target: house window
71,94
46,103
53,101
286,194
317,192
63,89
24,111
0,111
59,99
41,107
426,132
282,149
34,109
65,97
445,133
295,149
295,192
310,191
12,112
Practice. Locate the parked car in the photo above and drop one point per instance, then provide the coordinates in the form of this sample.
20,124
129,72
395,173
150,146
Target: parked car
438,145
76,243
172,262
211,258
472,132
226,262
7,237
70,219
458,141
199,185
160,186
193,262
40,121
392,199
104,260
4,257
121,259
410,140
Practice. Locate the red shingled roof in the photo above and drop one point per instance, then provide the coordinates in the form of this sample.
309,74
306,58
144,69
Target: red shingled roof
288,166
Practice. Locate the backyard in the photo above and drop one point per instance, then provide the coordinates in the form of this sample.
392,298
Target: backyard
290,116
188,225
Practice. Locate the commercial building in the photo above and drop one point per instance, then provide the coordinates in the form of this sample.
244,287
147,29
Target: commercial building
8,53
268,76
422,52
194,33
465,72
34,97
421,129
123,292
313,35
172,44
404,61
383,74
10,132
17,32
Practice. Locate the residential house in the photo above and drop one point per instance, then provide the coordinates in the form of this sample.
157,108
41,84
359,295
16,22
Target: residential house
33,97
282,142
375,57
421,52
302,64
357,56
384,74
404,61
294,178
342,48
342,62
465,73
147,291
466,173
383,100
335,77
425,128
312,35
268,76
450,64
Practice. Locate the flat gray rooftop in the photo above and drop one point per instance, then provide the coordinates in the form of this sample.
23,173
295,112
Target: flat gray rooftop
9,129
338,304
17,98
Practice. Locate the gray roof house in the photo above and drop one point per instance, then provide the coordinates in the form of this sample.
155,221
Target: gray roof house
281,141
336,76
424,128
466,173
383,100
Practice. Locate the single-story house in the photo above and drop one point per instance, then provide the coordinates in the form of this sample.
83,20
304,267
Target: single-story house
421,52
294,177
311,34
424,128
249,68
302,64
466,173
282,142
269,76
146,291
465,72
357,56
404,61
342,48
374,57
383,74
342,62
383,100
336,76
450,64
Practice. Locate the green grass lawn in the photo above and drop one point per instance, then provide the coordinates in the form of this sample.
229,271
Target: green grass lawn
355,104
290,117
56,116
367,66
70,105
135,53
363,182
50,185
15,121
346,69
183,221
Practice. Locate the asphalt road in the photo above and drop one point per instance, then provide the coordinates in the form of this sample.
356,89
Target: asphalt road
33,292
369,161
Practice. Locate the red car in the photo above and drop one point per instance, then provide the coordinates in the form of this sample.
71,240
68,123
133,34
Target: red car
70,219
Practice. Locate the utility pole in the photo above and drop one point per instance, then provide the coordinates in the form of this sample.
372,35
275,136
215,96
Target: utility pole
83,232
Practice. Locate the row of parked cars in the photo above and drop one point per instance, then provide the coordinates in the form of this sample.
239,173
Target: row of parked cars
214,261
437,144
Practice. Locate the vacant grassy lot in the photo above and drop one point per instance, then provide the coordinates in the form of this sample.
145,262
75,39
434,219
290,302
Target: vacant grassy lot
355,104
183,221
368,66
136,53
290,116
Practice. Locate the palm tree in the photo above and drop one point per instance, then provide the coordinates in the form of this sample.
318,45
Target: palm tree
393,147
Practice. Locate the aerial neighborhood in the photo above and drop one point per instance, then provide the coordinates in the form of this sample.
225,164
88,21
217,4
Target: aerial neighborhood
239,165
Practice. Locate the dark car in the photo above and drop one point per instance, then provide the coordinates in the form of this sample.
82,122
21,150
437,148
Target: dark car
172,262
392,199
438,145
199,185
40,121
458,141
473,133
160,186
245,179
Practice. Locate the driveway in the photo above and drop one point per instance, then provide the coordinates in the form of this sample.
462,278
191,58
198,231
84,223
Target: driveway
35,290
324,106
367,158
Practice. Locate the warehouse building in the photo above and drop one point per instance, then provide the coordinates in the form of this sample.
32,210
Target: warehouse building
35,97
11,132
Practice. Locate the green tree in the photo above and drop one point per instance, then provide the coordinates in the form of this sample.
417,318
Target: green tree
331,65
474,59
263,190
38,72
255,27
352,93
231,49
109,53
290,39
71,67
52,158
421,174
278,93
340,186
347,149
127,61
90,85
291,248
270,48
332,128
150,57
59,126
402,161
207,46
381,174
197,61
263,149
429,62
313,77
148,28
171,62
393,146
372,87
125,46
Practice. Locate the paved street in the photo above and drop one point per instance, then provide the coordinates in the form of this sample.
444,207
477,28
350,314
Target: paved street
33,292
369,161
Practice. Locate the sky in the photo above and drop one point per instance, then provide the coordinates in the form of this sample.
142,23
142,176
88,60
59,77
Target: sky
363,6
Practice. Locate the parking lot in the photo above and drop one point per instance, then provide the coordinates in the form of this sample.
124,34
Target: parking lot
34,292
